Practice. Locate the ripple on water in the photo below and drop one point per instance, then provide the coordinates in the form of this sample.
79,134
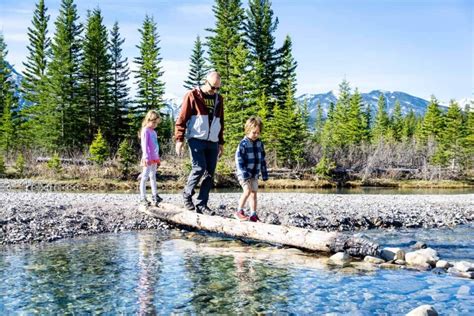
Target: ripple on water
144,272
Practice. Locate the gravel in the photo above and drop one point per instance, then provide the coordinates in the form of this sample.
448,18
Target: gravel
27,217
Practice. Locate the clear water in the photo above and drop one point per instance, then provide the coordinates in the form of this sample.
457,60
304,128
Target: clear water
145,272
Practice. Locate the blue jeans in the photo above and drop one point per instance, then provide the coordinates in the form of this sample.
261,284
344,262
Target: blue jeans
204,160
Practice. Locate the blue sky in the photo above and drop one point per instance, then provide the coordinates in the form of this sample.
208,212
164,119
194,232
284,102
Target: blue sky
420,47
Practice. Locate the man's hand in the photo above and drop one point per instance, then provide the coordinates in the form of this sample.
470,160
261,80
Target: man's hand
179,149
221,151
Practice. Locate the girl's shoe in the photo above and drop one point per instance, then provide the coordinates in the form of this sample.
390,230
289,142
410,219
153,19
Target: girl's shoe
156,200
254,218
240,215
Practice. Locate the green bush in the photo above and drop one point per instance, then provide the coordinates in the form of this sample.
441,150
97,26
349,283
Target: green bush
2,165
99,150
54,163
324,167
126,157
20,164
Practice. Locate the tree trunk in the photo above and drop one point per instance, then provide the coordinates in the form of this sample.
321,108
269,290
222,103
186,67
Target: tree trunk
313,240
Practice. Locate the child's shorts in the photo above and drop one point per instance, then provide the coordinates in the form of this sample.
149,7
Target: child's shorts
251,184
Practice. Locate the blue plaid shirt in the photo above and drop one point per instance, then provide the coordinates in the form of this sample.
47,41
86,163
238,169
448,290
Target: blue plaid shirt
250,160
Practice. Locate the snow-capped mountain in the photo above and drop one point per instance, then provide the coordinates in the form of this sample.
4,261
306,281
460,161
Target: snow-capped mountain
407,101
16,78
466,101
172,104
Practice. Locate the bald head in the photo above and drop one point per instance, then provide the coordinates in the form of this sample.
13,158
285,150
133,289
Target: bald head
213,83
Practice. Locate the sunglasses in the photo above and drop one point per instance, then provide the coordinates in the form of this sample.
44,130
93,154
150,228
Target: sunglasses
212,87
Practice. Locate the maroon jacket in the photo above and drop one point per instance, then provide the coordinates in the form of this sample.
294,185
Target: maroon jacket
193,119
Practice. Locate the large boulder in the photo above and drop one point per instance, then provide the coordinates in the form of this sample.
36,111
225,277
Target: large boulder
392,254
463,266
373,260
423,310
340,259
422,257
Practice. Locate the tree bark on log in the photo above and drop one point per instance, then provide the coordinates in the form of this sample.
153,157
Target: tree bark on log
308,239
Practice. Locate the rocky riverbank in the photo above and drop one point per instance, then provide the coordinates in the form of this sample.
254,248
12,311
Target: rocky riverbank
33,217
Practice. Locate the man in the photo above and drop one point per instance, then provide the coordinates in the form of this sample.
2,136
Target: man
201,122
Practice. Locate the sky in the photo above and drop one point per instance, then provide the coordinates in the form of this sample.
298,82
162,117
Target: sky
421,47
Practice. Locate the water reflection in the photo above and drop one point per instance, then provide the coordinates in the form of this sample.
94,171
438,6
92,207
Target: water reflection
149,263
147,273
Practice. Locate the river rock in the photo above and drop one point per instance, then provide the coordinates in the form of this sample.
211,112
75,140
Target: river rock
419,245
463,266
373,260
400,262
423,310
462,274
443,264
421,257
392,254
340,259
388,265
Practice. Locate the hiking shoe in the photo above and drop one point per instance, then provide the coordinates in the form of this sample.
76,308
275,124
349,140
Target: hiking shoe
156,200
204,209
254,218
188,202
240,215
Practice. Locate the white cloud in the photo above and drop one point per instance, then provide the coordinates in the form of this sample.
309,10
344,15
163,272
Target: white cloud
175,72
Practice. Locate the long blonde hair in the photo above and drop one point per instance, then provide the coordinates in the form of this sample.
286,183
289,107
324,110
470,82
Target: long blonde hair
151,115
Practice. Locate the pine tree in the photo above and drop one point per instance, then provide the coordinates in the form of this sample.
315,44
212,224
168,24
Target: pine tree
126,156
367,117
6,86
355,123
2,165
119,97
409,126
289,122
149,74
331,108
38,54
381,122
20,164
432,124
64,78
396,123
33,131
339,118
318,124
227,34
7,129
259,28
468,139
96,77
7,101
99,150
452,134
239,98
198,67
286,72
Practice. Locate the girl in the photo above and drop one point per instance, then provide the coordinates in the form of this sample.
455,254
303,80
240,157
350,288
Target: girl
150,156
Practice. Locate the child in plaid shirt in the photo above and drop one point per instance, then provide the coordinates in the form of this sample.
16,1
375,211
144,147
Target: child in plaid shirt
250,161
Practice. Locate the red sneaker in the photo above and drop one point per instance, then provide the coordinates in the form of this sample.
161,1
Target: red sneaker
254,218
240,215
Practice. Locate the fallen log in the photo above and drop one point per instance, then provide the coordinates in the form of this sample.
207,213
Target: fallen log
308,239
